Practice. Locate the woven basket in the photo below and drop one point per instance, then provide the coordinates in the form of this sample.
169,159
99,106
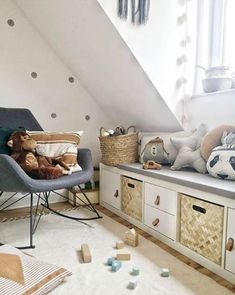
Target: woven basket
202,227
119,149
131,201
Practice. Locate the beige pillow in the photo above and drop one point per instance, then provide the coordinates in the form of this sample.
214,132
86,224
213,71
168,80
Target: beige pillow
59,145
213,139
23,274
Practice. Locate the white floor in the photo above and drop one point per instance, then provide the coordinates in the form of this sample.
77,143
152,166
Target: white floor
58,241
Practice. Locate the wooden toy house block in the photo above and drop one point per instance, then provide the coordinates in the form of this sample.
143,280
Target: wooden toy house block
131,238
86,254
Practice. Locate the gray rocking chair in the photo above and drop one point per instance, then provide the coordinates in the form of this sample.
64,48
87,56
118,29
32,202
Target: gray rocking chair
13,178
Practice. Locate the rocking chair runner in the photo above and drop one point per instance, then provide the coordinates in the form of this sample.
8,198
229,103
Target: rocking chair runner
13,179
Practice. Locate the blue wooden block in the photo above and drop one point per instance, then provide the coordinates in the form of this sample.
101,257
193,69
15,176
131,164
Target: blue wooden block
110,261
165,272
135,271
116,265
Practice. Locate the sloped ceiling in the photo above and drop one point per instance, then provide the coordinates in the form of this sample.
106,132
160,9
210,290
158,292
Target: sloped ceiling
83,37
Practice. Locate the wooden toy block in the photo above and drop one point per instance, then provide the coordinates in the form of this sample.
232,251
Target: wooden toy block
131,238
165,272
116,265
135,271
131,242
110,260
152,165
120,244
132,285
86,254
122,255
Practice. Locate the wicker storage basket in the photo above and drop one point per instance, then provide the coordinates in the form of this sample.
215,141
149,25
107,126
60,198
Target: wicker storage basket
119,149
202,227
132,197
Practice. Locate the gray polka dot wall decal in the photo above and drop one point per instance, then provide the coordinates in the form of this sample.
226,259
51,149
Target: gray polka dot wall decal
10,22
34,75
71,79
53,115
87,117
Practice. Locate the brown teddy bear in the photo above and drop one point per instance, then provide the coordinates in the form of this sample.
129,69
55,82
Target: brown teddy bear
39,167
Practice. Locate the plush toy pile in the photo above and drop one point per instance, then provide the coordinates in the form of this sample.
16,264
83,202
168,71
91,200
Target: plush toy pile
36,166
45,155
212,151
180,149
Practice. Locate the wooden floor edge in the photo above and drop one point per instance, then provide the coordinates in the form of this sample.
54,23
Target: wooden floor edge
219,280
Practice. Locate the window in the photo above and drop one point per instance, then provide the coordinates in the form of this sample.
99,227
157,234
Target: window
215,37
228,34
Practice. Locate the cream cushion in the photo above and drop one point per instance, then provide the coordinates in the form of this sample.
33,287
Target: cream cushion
213,139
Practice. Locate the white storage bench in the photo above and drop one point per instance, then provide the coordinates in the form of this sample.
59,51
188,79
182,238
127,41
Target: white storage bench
161,195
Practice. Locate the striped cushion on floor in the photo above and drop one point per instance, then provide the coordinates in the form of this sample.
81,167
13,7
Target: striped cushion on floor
23,274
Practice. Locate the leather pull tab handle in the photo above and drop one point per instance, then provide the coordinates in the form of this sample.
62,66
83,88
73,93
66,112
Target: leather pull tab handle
199,209
116,194
156,222
229,244
157,201
131,185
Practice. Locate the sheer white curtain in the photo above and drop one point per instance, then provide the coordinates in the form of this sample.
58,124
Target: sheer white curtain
229,34
210,36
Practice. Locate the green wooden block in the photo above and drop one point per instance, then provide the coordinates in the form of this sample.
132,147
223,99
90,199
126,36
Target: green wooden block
165,272
110,261
135,271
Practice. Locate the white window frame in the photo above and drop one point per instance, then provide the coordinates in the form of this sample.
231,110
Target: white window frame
210,19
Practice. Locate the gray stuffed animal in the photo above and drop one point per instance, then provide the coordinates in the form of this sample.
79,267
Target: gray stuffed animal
228,138
154,150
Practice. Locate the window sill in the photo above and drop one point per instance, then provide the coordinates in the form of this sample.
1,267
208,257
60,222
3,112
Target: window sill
213,94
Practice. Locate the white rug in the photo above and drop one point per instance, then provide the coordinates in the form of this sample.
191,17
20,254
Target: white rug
58,241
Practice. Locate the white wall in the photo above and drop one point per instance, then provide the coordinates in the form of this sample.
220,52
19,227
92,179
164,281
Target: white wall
157,45
22,51
213,109
83,36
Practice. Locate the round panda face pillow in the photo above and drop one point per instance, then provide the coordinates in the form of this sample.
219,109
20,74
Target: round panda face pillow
221,163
